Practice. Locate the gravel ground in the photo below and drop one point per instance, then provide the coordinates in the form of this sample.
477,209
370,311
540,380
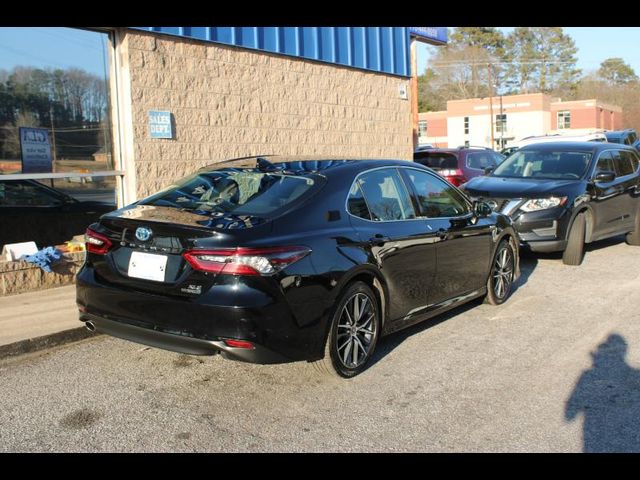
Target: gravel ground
555,369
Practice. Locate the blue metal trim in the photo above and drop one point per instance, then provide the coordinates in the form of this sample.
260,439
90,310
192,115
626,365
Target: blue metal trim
380,49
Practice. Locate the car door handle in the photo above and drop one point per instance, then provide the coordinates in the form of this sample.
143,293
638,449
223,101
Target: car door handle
379,239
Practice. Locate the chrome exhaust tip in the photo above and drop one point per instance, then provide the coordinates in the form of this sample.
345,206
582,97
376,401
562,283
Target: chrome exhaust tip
90,326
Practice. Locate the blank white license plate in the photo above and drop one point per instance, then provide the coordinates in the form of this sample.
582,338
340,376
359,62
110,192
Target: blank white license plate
148,266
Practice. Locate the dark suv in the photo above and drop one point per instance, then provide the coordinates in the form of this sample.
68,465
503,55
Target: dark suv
563,195
458,165
276,260
626,137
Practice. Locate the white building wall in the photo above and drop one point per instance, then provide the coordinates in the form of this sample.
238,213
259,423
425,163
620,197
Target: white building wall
519,125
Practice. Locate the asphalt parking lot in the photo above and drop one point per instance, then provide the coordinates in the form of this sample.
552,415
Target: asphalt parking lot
555,369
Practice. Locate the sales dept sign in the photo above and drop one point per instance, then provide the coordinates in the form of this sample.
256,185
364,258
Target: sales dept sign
35,150
160,124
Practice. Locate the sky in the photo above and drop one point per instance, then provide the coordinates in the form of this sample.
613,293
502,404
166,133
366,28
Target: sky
58,47
595,44
53,47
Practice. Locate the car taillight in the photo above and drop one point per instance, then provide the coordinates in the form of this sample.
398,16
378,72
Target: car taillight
245,261
454,175
96,242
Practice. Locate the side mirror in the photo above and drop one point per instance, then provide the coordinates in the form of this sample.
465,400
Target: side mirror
488,170
481,209
604,177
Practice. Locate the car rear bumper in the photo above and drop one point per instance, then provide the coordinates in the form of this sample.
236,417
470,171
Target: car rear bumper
198,325
180,343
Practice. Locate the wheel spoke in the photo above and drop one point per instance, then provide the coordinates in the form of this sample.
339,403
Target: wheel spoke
363,307
346,310
503,258
364,324
499,286
356,310
362,345
347,341
354,357
347,351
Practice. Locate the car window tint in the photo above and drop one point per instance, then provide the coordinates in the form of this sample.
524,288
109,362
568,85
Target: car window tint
544,164
480,160
356,203
386,195
622,164
634,160
436,197
605,163
632,137
439,160
241,192
626,163
23,194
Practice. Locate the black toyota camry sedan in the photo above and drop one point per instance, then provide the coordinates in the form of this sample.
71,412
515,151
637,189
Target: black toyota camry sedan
565,194
276,259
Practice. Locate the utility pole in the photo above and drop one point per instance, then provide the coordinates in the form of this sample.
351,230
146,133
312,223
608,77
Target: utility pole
501,125
53,132
53,139
491,102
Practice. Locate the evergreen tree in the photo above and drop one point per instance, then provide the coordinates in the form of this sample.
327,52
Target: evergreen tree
615,72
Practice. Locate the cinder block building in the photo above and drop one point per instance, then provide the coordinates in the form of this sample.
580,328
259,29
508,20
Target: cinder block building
513,117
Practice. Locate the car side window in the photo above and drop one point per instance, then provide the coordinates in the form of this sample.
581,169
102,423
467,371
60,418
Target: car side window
20,194
622,163
605,163
436,197
385,195
356,203
629,162
480,160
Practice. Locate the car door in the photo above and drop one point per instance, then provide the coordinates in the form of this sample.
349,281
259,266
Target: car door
33,212
628,171
608,198
398,241
464,240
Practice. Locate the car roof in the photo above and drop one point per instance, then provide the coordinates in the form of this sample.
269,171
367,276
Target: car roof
310,164
583,146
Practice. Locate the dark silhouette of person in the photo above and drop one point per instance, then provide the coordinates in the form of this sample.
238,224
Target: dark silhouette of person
608,395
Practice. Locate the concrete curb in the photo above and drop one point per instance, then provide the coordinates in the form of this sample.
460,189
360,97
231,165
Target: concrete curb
44,342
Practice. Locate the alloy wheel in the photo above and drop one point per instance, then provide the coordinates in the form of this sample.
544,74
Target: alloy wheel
356,331
502,272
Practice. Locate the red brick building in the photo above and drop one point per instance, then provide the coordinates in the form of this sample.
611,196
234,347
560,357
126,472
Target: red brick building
513,117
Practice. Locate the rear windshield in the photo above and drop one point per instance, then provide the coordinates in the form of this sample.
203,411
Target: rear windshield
614,138
544,164
436,160
234,191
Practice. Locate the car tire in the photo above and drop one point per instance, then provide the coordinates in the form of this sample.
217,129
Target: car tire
501,274
633,238
574,252
343,354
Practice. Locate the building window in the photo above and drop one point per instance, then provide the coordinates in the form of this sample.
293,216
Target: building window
422,128
466,125
564,119
55,132
501,123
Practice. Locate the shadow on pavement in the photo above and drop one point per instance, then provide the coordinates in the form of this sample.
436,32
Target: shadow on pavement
608,396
